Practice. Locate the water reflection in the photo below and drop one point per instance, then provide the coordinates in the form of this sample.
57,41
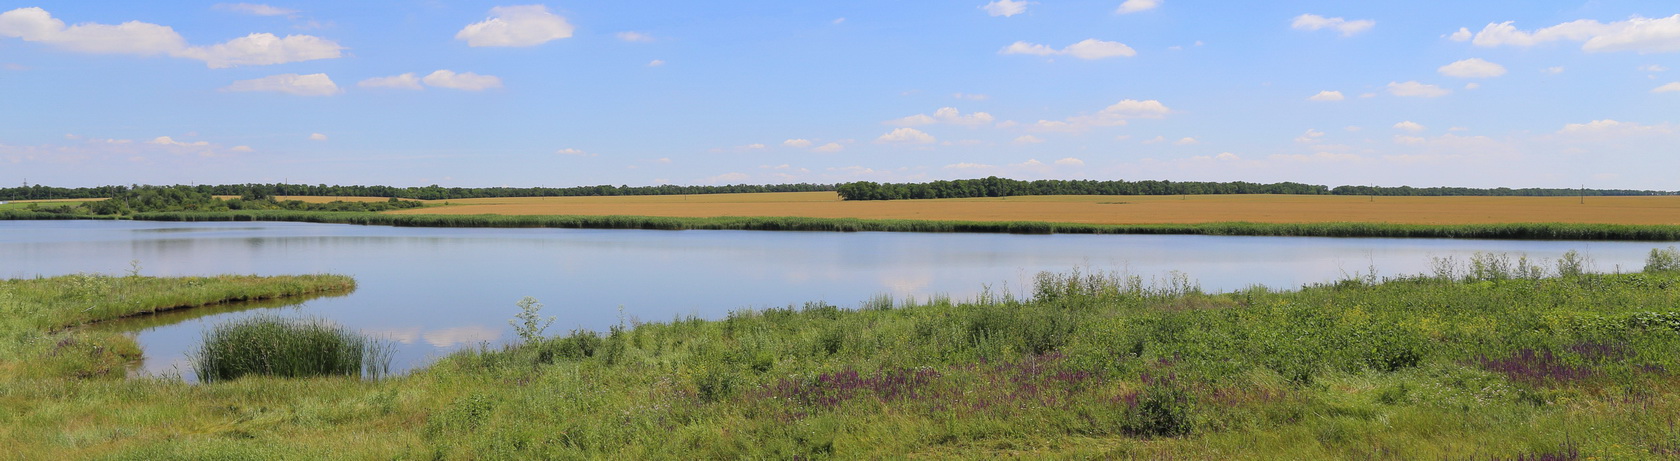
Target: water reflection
436,290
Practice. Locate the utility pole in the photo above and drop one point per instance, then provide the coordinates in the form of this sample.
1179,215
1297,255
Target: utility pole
1583,194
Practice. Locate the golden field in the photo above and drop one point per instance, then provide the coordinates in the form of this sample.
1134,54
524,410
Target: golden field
1103,209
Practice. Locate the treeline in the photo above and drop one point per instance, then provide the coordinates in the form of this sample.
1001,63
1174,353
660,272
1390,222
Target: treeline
1003,187
432,192
154,199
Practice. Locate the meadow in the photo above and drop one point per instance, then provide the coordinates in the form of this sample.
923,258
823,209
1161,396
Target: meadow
1104,209
1491,357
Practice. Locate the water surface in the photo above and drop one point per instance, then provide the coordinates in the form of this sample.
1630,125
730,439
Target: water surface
434,290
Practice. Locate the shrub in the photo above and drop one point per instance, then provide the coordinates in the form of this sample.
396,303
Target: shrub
289,348
1663,260
528,323
1163,409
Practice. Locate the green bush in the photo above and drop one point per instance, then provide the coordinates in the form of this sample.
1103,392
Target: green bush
1163,409
1663,260
289,348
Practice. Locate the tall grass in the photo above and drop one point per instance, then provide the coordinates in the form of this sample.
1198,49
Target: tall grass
291,348
1511,231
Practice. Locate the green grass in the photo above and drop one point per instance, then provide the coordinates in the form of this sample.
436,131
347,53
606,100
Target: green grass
1525,231
291,348
1498,362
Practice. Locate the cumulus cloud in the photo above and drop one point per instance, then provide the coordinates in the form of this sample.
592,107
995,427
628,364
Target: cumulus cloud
1416,90
632,36
302,85
317,137
1070,161
1472,68
906,136
1463,35
1671,87
799,143
1088,49
1410,126
1346,27
1186,141
167,141
522,25
1609,127
574,151
264,49
727,178
1326,96
1553,70
830,147
1113,115
1653,68
948,115
1133,6
254,9
1637,34
971,96
146,39
405,81
1028,139
1310,136
1005,8
466,81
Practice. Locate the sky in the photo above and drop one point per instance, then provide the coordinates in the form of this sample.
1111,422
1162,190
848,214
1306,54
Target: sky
1529,93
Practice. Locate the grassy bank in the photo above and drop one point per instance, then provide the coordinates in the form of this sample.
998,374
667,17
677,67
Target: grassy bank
1529,231
1501,363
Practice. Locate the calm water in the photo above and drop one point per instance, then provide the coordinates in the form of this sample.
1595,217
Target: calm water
437,290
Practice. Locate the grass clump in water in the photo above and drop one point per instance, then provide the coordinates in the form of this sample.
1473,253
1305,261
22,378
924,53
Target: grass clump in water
290,348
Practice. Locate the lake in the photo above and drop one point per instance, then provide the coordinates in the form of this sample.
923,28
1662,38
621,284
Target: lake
435,290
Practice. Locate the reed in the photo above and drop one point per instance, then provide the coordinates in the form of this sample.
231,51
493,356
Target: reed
291,348
1509,231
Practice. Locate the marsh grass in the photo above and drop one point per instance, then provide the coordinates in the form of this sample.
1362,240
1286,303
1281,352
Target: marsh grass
290,348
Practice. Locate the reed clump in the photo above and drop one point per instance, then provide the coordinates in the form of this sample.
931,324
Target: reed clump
292,348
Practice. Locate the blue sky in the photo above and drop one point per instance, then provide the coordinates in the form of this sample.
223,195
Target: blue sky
1517,93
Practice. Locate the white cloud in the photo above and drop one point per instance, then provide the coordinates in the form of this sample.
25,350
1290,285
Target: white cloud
754,146
523,25
1472,68
1671,87
1612,128
1186,141
1410,126
317,137
1416,90
146,39
1653,68
1409,140
830,147
1326,96
1463,35
1346,27
1133,6
241,149
1005,8
167,141
255,9
969,166
302,85
633,36
1638,34
1553,70
1088,49
906,136
949,115
656,63
1113,115
1154,140
134,37
467,81
264,49
971,96
405,81
1070,161
1028,139
1472,86
574,151
799,143
1310,136
727,178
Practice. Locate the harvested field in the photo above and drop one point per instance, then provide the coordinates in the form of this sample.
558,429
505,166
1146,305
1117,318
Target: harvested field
1106,209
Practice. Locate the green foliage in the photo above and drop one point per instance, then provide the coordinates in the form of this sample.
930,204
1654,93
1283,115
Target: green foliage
528,323
1003,187
291,348
261,192
1163,409
1663,260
